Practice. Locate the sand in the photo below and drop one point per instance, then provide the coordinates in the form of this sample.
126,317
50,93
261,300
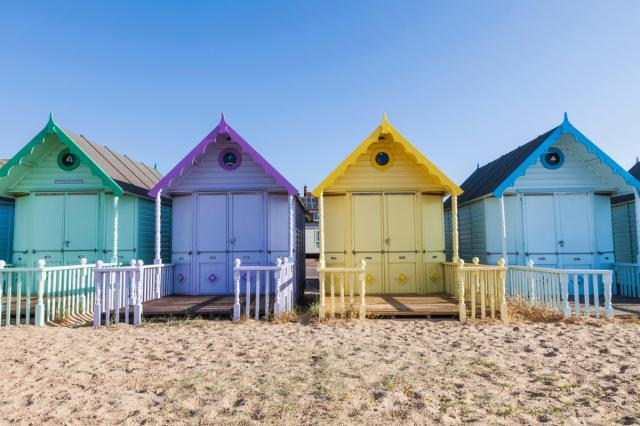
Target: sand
369,372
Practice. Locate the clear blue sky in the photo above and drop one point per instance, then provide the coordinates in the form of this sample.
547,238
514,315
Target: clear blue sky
305,81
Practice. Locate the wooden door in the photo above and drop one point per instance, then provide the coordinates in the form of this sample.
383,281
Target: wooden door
246,241
48,228
81,228
541,239
367,227
401,243
211,262
575,231
182,245
433,243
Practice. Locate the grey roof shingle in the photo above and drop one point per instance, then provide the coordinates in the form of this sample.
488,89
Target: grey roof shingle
635,172
487,178
133,176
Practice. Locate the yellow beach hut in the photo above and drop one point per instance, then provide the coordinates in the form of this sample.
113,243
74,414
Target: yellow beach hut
383,205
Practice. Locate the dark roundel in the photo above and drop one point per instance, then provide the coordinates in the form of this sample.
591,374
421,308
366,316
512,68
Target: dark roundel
553,158
382,159
68,161
230,159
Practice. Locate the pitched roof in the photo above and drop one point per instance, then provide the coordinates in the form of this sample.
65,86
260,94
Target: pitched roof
635,170
487,178
222,129
124,170
118,172
386,128
501,174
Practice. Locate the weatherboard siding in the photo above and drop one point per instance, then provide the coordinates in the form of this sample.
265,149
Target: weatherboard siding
624,232
472,231
207,175
404,174
146,231
582,170
513,217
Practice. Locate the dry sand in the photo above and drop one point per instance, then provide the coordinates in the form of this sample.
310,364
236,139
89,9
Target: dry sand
370,372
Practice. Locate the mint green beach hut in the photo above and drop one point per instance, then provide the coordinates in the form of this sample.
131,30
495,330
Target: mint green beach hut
75,200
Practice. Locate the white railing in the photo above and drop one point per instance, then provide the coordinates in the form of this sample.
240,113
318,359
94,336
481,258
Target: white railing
119,289
550,288
45,293
480,287
628,279
258,279
343,276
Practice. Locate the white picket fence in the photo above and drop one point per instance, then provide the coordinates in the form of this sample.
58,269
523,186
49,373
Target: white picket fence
45,293
344,277
628,279
258,279
481,288
119,289
550,287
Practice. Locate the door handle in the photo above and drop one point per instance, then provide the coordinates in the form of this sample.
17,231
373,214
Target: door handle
561,242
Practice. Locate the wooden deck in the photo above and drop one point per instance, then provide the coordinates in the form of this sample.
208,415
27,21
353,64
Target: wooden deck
441,305
190,305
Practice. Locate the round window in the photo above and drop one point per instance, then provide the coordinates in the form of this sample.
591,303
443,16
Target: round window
381,159
552,159
68,161
230,159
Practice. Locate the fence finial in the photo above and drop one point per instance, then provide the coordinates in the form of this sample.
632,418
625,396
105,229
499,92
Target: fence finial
475,261
99,264
83,261
2,264
132,262
41,263
530,263
501,262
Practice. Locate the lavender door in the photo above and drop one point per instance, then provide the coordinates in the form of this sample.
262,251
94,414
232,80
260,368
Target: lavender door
211,260
181,250
246,241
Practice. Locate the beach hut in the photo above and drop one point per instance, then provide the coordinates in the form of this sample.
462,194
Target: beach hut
383,205
230,204
625,229
548,201
74,200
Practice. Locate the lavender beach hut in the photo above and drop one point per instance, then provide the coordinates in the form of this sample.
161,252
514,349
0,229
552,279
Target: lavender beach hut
237,222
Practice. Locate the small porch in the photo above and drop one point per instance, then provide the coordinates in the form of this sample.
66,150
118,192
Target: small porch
400,305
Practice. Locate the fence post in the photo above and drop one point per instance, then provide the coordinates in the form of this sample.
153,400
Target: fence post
236,282
278,283
362,277
462,310
321,309
502,275
97,306
83,285
564,282
39,322
608,308
137,309
532,282
2,265
158,276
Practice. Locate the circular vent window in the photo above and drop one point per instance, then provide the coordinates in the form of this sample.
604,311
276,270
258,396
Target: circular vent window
68,161
382,159
553,158
230,159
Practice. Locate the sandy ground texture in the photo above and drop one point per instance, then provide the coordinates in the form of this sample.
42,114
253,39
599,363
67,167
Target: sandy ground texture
351,372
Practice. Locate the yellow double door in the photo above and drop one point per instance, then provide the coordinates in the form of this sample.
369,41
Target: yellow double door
385,235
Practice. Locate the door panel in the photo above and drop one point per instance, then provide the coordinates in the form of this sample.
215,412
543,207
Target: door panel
212,274
211,223
432,224
367,238
335,222
278,241
402,277
48,228
182,221
434,277
540,229
401,222
246,222
81,228
574,212
374,277
182,278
